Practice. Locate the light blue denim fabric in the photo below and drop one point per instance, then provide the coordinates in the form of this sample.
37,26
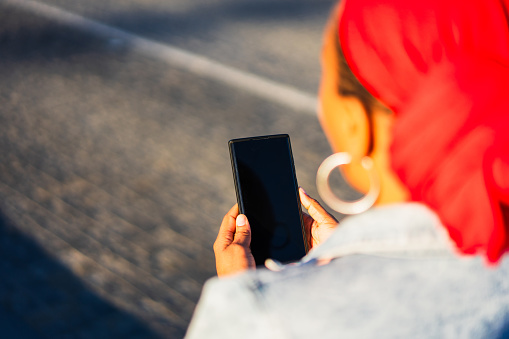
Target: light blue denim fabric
394,274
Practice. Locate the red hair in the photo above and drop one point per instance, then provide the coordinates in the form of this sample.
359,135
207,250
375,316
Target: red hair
442,67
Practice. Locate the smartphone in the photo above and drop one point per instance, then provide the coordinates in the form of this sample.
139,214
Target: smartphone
267,193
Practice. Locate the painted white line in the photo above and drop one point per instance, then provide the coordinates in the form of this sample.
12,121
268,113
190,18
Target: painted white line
176,57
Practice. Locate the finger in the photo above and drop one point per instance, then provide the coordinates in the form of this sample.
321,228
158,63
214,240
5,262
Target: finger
243,231
308,221
315,210
227,229
308,225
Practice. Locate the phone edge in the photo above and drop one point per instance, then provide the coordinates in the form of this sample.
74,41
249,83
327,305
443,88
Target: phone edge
233,161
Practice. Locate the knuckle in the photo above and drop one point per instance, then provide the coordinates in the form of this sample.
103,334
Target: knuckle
244,232
241,242
313,211
313,200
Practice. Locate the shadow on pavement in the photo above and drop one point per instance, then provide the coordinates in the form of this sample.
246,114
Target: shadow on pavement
40,298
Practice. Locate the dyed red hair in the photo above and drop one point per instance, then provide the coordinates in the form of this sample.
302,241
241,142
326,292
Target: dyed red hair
443,68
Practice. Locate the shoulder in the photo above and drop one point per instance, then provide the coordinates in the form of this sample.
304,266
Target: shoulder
358,296
232,308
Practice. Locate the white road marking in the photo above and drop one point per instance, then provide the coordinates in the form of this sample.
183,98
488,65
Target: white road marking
176,57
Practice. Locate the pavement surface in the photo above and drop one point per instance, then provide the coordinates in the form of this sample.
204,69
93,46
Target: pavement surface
278,39
114,167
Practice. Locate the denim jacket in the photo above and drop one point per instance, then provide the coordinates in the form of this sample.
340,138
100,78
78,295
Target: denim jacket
393,274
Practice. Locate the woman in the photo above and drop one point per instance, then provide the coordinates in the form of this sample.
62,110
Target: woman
430,109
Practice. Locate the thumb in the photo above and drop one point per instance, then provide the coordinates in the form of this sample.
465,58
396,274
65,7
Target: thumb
242,231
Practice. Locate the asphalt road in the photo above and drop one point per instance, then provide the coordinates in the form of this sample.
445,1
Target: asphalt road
114,167
278,39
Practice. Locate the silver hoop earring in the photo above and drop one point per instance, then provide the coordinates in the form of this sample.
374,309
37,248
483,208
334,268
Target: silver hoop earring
341,206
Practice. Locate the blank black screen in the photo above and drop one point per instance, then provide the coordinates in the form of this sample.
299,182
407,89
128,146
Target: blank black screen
267,194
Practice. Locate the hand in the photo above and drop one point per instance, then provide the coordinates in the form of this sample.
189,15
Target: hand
318,224
233,254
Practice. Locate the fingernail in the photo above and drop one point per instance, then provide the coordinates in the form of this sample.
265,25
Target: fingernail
274,265
304,196
241,220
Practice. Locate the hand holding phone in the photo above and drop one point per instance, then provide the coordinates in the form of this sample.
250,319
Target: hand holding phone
267,193
231,247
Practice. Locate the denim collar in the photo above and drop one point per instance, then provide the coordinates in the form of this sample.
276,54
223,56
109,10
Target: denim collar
408,230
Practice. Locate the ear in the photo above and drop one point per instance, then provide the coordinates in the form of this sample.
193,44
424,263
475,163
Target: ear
346,125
